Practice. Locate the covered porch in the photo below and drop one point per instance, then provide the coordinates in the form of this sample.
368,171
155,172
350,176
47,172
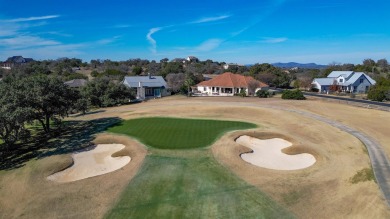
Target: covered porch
216,91
149,92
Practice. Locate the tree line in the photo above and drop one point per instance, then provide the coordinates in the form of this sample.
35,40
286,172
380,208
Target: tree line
46,100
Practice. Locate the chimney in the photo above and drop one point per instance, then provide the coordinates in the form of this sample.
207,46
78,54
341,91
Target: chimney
150,76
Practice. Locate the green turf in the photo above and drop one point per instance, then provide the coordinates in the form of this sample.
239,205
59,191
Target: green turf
191,186
177,133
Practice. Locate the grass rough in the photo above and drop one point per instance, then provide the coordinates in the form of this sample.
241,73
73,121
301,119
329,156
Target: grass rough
177,133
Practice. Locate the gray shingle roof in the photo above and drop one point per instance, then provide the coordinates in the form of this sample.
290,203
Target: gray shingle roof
357,76
324,81
76,82
146,81
335,74
350,78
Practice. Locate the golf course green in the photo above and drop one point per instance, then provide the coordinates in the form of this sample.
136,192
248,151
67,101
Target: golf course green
177,133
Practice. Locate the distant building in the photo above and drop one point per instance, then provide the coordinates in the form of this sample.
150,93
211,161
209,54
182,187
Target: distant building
347,81
147,87
15,60
192,59
231,65
76,83
178,60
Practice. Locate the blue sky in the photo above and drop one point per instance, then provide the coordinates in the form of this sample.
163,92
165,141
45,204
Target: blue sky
235,31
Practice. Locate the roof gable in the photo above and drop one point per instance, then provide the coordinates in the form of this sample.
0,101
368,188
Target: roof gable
357,75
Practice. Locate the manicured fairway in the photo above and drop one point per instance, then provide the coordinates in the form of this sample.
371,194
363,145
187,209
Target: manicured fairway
177,133
192,185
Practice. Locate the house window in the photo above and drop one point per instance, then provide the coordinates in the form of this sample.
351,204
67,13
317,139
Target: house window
354,88
204,88
361,80
341,80
148,91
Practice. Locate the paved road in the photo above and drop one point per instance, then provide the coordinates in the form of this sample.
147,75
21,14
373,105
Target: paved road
379,161
348,99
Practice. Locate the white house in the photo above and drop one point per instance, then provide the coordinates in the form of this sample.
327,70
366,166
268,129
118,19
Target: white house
347,81
231,65
227,84
147,87
192,59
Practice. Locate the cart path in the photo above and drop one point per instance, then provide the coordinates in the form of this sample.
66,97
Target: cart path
379,161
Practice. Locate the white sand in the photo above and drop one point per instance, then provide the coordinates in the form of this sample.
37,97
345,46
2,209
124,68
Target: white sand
268,154
91,163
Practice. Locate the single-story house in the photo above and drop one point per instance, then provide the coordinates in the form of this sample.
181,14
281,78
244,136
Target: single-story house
227,84
347,81
231,65
76,83
147,87
15,60
192,59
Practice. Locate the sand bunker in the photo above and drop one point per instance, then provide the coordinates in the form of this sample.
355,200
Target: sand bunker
268,154
97,161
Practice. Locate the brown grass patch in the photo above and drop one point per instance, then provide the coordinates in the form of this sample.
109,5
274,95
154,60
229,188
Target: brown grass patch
25,192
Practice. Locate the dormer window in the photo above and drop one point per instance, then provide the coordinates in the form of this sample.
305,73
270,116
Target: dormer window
341,80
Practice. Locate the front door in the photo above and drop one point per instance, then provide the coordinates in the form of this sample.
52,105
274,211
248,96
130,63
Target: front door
157,92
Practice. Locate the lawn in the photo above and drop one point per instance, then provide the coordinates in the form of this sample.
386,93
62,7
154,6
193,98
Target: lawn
177,133
191,185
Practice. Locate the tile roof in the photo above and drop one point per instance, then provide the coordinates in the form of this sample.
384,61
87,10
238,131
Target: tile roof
229,79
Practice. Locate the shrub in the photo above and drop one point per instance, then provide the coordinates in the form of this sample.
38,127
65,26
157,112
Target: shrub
366,174
293,95
242,93
377,93
263,94
94,73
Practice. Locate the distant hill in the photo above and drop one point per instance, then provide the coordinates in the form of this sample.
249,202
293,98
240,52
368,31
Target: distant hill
299,65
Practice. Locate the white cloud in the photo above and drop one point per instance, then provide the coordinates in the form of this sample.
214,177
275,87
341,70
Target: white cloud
46,52
151,40
209,45
31,18
26,41
274,40
210,19
107,41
